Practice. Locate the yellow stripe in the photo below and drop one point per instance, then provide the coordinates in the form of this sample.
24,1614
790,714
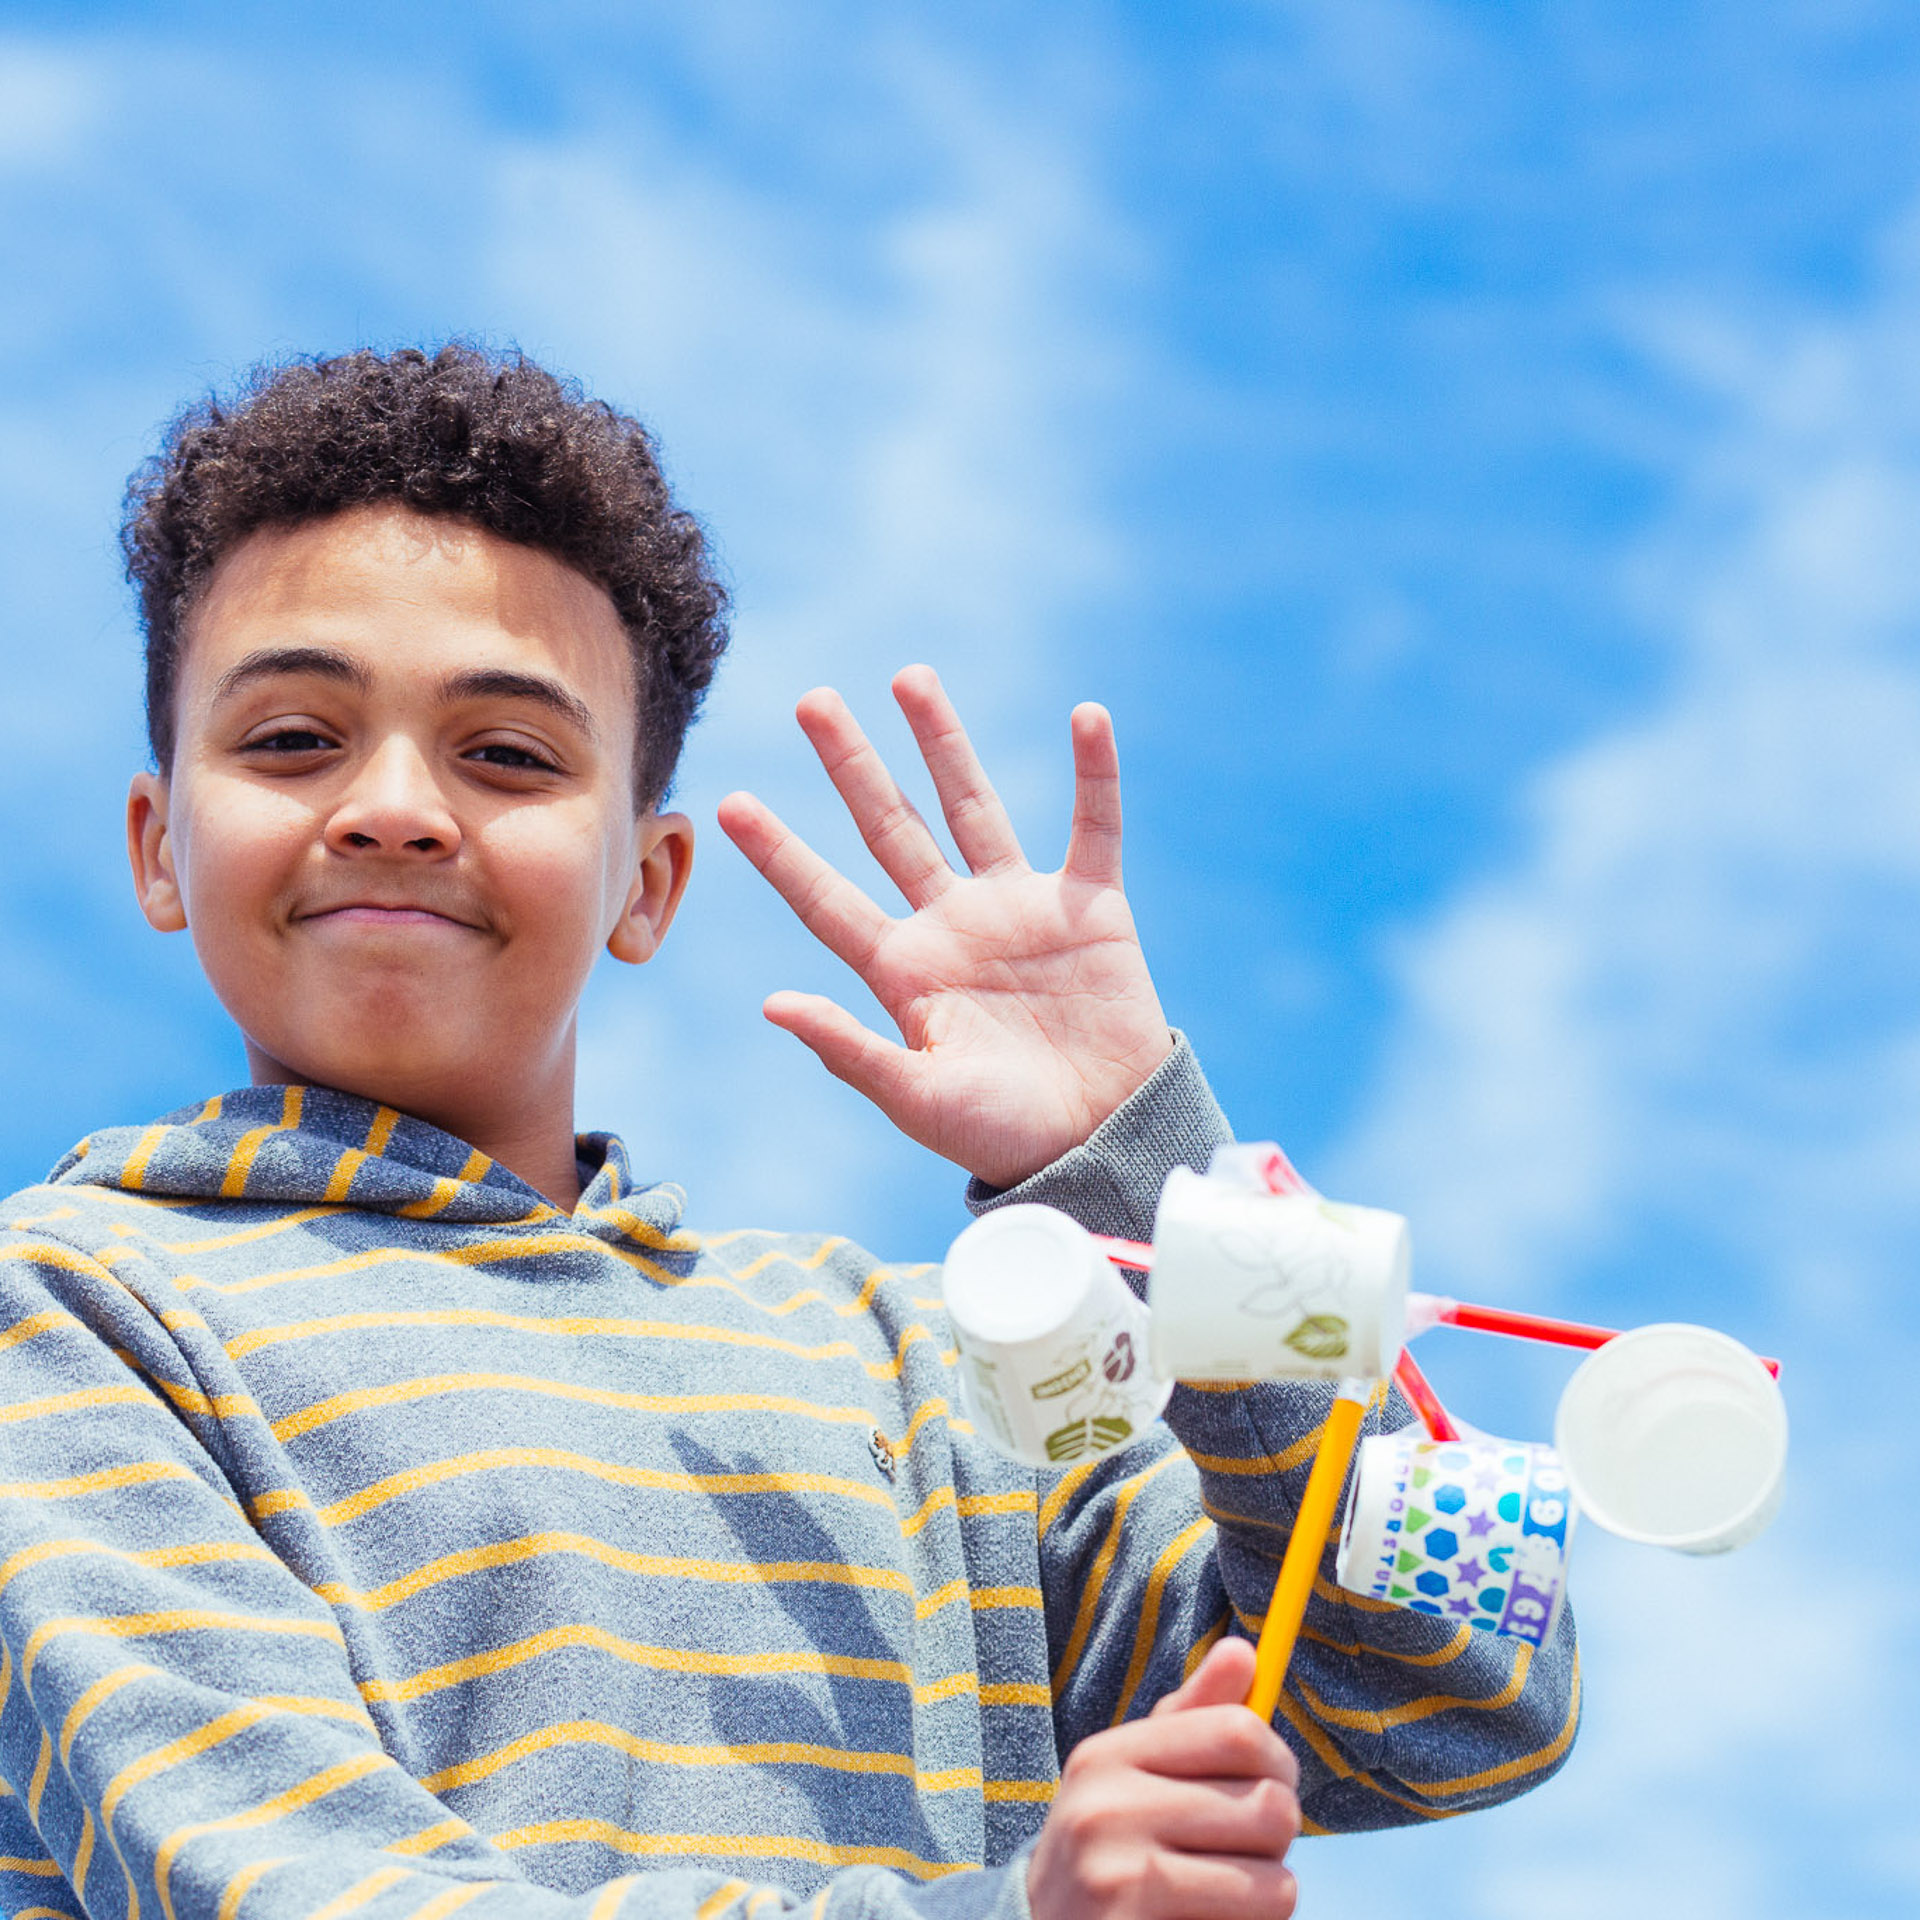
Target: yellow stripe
778,1256
240,1237
1124,1496
315,1787
614,1893
242,1883
1526,1763
134,1474
972,1505
43,1913
102,1689
354,1506
429,1839
1301,1451
533,1546
139,1626
681,1240
1016,1693
985,1599
453,1900
210,1111
1374,1720
1040,1791
1340,1767
1358,1649
38,1784
1176,1550
14,1863
741,1845
596,1733
1065,1488
361,1892
215,1733
50,1253
720,1898
83,1854
437,1201
664,1659
1202,1647
340,1181
194,1554
323,1412
80,1402
35,1323
572,1328
233,1184
134,1173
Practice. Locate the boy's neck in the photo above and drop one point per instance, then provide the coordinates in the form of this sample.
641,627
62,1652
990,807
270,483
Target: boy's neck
525,1122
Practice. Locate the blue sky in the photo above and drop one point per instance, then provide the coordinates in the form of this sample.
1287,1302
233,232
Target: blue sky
1476,453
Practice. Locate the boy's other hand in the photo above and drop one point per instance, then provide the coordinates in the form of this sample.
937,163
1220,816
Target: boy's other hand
1185,1815
1023,997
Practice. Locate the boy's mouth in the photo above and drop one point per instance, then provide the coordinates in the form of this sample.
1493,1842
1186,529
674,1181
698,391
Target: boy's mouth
384,914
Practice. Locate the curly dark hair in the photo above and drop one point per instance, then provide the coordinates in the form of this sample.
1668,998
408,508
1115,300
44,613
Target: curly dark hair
488,439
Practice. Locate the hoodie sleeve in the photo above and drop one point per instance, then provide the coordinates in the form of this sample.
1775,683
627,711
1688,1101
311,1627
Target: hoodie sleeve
180,1731
1150,1554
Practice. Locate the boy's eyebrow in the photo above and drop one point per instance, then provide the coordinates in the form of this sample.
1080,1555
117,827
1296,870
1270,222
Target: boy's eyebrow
482,683
266,662
498,683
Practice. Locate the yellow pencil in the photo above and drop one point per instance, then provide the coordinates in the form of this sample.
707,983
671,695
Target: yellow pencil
1294,1586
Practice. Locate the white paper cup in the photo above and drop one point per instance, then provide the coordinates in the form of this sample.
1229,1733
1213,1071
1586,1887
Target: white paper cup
1260,1286
1053,1344
1472,1531
1676,1436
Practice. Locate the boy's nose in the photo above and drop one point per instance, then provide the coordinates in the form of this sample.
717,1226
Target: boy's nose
394,805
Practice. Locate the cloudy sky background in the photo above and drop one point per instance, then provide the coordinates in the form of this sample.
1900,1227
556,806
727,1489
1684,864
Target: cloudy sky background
1476,454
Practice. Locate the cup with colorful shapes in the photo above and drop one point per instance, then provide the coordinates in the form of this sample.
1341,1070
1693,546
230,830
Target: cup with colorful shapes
1473,1531
1053,1343
1255,1285
1675,1436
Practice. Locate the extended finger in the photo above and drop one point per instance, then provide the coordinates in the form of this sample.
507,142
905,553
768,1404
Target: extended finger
880,1069
888,821
830,906
1093,847
1221,1678
976,819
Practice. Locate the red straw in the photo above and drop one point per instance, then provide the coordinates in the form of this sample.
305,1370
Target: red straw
1426,1403
1537,1326
1125,1253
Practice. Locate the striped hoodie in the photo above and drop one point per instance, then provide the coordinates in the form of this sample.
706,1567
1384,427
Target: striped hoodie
376,1538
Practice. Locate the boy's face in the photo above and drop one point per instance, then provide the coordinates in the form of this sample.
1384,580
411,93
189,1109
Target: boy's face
400,818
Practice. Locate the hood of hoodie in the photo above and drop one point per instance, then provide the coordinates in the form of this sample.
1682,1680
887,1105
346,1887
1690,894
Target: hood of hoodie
312,1146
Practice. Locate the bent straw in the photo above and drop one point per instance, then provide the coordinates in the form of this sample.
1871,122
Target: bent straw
1426,1403
1530,1326
1294,1586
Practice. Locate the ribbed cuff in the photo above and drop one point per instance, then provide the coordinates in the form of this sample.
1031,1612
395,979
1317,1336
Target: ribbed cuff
1111,1182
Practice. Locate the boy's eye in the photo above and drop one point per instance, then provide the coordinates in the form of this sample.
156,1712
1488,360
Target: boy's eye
500,753
290,740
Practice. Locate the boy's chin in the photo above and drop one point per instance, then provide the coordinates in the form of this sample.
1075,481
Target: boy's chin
419,1072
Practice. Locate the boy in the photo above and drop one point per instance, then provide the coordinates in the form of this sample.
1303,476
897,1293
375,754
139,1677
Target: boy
400,1509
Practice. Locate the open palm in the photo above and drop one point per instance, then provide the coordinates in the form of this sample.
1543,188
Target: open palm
1023,998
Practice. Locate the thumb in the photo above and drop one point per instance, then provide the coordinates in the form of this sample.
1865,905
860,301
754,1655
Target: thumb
1221,1679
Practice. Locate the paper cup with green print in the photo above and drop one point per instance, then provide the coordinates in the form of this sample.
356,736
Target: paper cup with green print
1262,1286
1053,1344
1472,1531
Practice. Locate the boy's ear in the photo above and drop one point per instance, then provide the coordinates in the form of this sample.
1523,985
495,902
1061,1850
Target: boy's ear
151,852
665,860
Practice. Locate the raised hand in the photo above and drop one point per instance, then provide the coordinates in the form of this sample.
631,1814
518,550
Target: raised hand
1023,998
